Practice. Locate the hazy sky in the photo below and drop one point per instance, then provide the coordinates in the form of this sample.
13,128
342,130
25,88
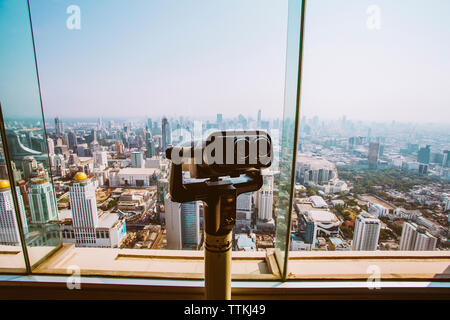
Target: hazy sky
400,72
202,57
161,57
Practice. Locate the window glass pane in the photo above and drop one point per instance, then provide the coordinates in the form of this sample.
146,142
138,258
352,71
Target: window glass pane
121,83
289,133
372,170
25,132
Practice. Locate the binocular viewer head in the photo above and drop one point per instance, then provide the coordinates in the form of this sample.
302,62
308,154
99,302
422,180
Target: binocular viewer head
225,153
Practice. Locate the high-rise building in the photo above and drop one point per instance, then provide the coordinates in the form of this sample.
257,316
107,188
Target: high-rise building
149,144
72,139
149,124
110,124
42,202
166,134
100,159
265,202
50,146
182,224
29,165
374,152
93,136
244,201
446,159
59,128
416,238
137,160
366,232
83,203
9,230
89,227
424,155
99,124
423,168
119,147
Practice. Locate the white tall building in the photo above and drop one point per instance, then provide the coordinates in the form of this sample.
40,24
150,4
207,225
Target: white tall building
244,201
84,210
42,202
137,160
9,231
265,202
182,224
100,159
51,146
416,238
366,233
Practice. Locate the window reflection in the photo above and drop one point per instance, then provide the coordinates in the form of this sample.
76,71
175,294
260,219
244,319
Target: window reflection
24,134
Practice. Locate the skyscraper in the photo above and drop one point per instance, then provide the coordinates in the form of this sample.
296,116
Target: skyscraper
374,152
9,231
416,238
72,139
149,144
446,159
166,134
93,137
244,201
50,146
265,202
137,160
149,124
190,224
424,155
41,199
366,233
59,128
119,147
100,159
84,209
29,165
182,224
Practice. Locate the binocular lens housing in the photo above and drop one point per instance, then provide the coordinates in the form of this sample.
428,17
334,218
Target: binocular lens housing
225,153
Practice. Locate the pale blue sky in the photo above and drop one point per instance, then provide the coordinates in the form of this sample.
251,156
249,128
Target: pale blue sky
202,57
162,57
400,72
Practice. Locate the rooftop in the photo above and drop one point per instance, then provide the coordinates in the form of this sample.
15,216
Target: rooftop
107,220
138,171
318,202
322,216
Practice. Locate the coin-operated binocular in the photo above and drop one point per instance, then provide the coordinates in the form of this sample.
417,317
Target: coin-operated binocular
220,168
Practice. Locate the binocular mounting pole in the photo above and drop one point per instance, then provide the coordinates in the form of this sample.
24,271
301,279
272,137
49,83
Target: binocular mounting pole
219,219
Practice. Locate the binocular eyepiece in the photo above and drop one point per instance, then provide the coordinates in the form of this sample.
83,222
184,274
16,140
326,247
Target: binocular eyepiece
225,153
